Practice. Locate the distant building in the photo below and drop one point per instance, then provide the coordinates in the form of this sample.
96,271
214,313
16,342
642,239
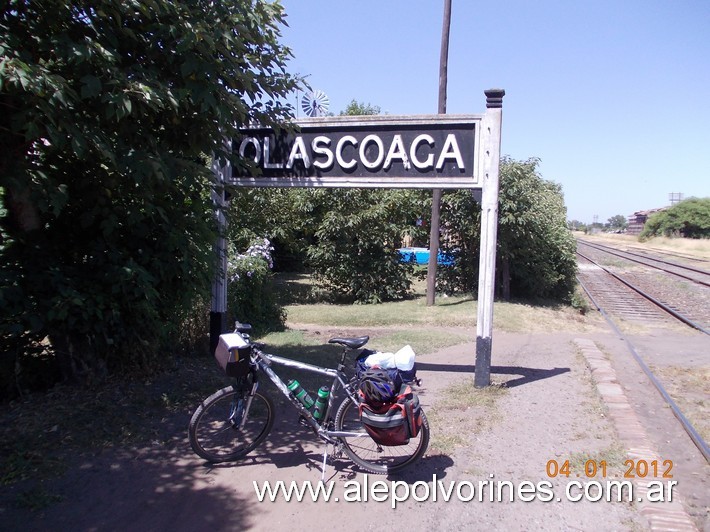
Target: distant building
638,219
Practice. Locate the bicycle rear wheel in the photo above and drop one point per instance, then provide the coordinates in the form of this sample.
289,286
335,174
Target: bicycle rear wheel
371,456
214,429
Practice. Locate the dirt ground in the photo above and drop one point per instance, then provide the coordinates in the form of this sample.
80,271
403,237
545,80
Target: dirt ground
550,410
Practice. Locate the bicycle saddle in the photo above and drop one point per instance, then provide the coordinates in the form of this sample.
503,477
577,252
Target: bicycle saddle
352,343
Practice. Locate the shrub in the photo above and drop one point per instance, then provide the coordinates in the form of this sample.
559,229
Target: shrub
251,295
354,255
536,251
689,219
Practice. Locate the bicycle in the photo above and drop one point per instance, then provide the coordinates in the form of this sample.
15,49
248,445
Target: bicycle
235,420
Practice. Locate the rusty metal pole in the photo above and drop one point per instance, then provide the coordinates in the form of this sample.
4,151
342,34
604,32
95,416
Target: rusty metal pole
436,193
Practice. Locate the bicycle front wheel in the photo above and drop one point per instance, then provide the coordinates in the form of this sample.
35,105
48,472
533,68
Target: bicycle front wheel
215,432
371,456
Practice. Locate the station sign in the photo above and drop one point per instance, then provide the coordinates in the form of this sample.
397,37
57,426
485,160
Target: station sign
439,151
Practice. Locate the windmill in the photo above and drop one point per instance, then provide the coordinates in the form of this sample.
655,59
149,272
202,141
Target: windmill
315,103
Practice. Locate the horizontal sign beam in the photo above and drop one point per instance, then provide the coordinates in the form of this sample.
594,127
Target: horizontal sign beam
439,151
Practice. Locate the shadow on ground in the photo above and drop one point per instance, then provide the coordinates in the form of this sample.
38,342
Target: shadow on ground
526,375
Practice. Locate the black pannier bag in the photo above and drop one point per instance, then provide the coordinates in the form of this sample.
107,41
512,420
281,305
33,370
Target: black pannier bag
395,423
233,355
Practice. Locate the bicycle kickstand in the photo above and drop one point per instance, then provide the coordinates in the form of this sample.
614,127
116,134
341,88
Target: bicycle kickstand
325,460
334,453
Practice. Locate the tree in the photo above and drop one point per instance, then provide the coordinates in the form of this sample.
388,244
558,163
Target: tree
689,218
576,225
536,252
348,238
618,222
109,109
356,108
354,249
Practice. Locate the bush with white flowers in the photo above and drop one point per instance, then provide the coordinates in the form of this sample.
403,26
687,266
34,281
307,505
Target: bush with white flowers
250,293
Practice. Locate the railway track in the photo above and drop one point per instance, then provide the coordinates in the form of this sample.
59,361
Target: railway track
675,289
647,290
694,274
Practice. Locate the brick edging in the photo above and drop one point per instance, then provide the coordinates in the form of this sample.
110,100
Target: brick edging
633,436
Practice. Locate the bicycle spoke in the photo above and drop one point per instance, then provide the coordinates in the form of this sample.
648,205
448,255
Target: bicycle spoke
215,437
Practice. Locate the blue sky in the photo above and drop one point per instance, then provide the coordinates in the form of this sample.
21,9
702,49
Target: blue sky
612,96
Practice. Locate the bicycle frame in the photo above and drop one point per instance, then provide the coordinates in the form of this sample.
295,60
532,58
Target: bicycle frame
265,360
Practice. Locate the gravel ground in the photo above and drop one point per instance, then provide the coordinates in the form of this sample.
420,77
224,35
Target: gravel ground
549,410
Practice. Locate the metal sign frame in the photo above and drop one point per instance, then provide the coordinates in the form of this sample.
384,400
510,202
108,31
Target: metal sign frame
484,175
381,151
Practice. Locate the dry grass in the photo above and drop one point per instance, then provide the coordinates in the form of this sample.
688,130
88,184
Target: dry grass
461,412
690,389
41,433
448,312
699,248
594,464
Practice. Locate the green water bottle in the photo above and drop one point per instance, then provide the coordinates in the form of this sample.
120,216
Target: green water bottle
321,403
300,394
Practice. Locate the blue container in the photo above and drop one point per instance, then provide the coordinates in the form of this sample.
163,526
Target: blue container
421,256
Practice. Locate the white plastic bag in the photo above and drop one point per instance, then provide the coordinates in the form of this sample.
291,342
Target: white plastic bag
404,358
381,360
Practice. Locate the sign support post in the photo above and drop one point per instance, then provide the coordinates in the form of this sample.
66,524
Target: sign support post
490,164
218,306
442,151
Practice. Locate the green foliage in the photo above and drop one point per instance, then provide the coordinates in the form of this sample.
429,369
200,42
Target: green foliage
532,233
576,225
356,108
617,223
287,217
536,252
347,237
108,109
460,225
251,288
354,254
689,218
353,251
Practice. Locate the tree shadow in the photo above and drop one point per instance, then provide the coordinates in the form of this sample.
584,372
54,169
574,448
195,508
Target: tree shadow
291,445
161,484
130,489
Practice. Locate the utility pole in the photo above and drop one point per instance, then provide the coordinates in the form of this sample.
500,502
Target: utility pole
436,193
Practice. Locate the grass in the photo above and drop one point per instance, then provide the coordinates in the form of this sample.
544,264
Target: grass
311,345
448,312
451,312
613,457
463,395
37,498
41,432
461,412
690,389
691,246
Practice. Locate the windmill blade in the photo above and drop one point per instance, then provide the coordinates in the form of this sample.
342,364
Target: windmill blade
315,103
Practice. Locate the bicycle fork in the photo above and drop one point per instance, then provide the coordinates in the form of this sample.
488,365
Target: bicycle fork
241,407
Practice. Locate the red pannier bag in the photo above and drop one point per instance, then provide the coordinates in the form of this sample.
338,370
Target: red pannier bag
392,424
